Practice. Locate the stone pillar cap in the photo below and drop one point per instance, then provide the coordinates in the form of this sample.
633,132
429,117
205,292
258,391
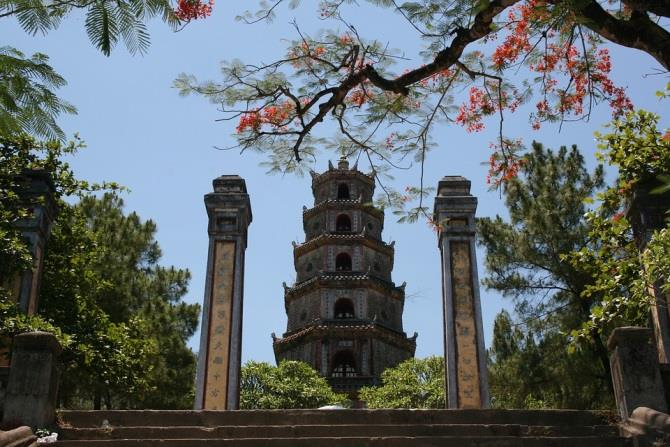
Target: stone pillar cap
41,180
453,185
628,335
38,183
37,340
229,184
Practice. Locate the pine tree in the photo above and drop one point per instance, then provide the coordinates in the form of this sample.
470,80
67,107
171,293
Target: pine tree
104,287
526,261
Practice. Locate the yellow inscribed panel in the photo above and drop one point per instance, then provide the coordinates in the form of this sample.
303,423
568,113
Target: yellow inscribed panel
467,368
220,327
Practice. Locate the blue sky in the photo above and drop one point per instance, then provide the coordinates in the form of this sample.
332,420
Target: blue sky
141,134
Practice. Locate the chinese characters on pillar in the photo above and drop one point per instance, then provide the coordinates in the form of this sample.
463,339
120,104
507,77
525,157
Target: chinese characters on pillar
465,327
218,349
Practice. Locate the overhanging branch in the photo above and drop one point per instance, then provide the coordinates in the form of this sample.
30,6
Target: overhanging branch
639,32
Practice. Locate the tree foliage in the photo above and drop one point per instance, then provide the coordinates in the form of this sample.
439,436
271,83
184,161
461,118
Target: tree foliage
106,23
27,101
104,286
414,383
622,278
19,153
532,368
637,147
292,384
526,261
117,312
385,109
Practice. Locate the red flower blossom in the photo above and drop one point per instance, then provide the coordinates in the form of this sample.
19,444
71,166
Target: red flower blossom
188,10
275,115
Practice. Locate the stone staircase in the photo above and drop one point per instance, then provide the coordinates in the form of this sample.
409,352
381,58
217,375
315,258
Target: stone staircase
341,428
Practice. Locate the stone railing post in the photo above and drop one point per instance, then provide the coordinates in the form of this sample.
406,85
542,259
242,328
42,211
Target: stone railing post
464,353
647,213
33,380
219,360
37,193
636,376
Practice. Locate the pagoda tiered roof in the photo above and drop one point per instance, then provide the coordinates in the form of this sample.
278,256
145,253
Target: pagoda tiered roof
349,280
348,329
335,238
343,204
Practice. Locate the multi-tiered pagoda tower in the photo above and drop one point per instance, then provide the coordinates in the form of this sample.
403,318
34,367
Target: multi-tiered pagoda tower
344,312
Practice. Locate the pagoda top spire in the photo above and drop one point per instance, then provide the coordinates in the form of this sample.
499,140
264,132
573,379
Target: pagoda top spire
343,163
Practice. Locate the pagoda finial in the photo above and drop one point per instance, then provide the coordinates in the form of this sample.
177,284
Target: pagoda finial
330,165
343,164
355,168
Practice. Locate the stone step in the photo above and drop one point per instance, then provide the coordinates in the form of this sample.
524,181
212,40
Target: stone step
18,437
399,441
323,431
162,418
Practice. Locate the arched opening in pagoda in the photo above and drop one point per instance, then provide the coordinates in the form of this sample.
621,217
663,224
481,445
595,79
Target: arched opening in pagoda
343,191
344,309
343,223
343,262
344,364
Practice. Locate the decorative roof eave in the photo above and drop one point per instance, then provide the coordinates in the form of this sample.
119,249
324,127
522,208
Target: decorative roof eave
349,280
337,239
322,328
332,173
343,204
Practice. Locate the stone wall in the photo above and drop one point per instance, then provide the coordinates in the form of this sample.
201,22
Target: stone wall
302,310
387,310
328,189
319,352
378,264
386,355
309,264
304,353
4,377
367,303
314,225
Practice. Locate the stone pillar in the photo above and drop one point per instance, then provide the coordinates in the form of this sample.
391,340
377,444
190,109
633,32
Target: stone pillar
218,374
464,354
636,376
647,213
33,380
36,192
